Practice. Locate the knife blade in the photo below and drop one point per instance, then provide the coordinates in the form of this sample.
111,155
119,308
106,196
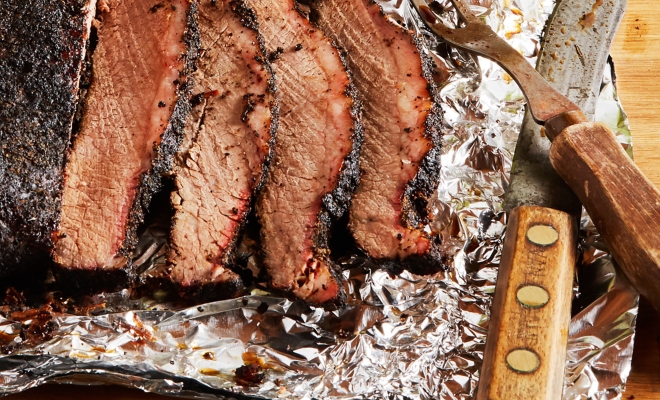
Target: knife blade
575,71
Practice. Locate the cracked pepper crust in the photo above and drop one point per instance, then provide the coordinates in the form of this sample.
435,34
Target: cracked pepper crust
42,48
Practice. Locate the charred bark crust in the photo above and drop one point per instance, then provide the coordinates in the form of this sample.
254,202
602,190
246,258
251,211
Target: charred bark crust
95,280
235,287
322,231
418,193
202,293
42,46
249,20
89,281
336,203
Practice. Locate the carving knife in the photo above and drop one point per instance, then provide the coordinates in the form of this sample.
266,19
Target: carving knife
622,202
532,306
525,352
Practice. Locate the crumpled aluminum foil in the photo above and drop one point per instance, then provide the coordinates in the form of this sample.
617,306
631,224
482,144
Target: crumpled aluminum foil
399,337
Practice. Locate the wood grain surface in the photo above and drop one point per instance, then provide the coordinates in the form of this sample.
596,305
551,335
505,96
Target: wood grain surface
623,204
636,53
525,354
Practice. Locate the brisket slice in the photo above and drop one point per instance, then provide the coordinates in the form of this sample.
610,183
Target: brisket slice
400,157
42,48
314,169
225,153
132,124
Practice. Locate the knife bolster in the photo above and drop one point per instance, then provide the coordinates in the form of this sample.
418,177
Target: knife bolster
525,354
555,125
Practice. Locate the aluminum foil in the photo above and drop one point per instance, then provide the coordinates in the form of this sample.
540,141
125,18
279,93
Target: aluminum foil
399,337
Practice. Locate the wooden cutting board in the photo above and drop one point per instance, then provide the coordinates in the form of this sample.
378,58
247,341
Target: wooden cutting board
636,52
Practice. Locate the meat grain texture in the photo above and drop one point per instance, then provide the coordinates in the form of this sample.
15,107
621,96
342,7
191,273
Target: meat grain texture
132,123
224,157
42,48
314,168
400,157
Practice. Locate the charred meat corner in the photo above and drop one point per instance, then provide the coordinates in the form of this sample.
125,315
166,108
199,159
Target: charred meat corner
225,153
131,126
400,157
42,48
314,170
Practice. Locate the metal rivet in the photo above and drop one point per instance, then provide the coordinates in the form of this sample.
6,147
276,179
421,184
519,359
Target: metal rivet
523,360
532,296
542,235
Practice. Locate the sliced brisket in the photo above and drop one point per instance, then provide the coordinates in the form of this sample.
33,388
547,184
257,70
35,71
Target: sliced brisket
314,168
133,118
42,48
400,157
227,145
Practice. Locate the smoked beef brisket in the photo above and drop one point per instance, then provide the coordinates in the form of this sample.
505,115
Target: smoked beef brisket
225,153
42,48
400,157
132,124
314,168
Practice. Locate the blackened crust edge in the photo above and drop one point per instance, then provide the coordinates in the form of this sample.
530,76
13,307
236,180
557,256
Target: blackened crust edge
419,190
37,107
201,293
234,288
95,280
335,203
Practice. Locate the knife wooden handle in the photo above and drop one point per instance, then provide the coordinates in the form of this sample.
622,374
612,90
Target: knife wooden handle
622,202
525,354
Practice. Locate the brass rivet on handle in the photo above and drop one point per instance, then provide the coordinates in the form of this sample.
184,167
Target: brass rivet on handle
532,296
524,361
542,235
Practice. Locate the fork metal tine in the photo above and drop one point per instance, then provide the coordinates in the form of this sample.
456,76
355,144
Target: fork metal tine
476,37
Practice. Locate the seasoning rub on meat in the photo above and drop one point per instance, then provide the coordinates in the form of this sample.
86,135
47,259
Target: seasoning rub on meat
225,153
314,168
134,114
400,157
42,49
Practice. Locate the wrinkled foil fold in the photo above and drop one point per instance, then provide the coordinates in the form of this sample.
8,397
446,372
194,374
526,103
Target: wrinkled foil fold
399,337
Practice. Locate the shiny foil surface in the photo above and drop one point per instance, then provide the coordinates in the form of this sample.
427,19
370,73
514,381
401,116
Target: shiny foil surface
399,337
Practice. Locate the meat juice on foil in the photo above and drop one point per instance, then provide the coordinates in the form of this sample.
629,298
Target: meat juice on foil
399,337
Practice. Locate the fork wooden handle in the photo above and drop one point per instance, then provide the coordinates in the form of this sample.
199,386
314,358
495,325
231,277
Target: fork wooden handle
525,354
622,202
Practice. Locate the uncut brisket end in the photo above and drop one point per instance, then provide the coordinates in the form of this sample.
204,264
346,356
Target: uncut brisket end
133,118
225,153
400,157
313,172
42,48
